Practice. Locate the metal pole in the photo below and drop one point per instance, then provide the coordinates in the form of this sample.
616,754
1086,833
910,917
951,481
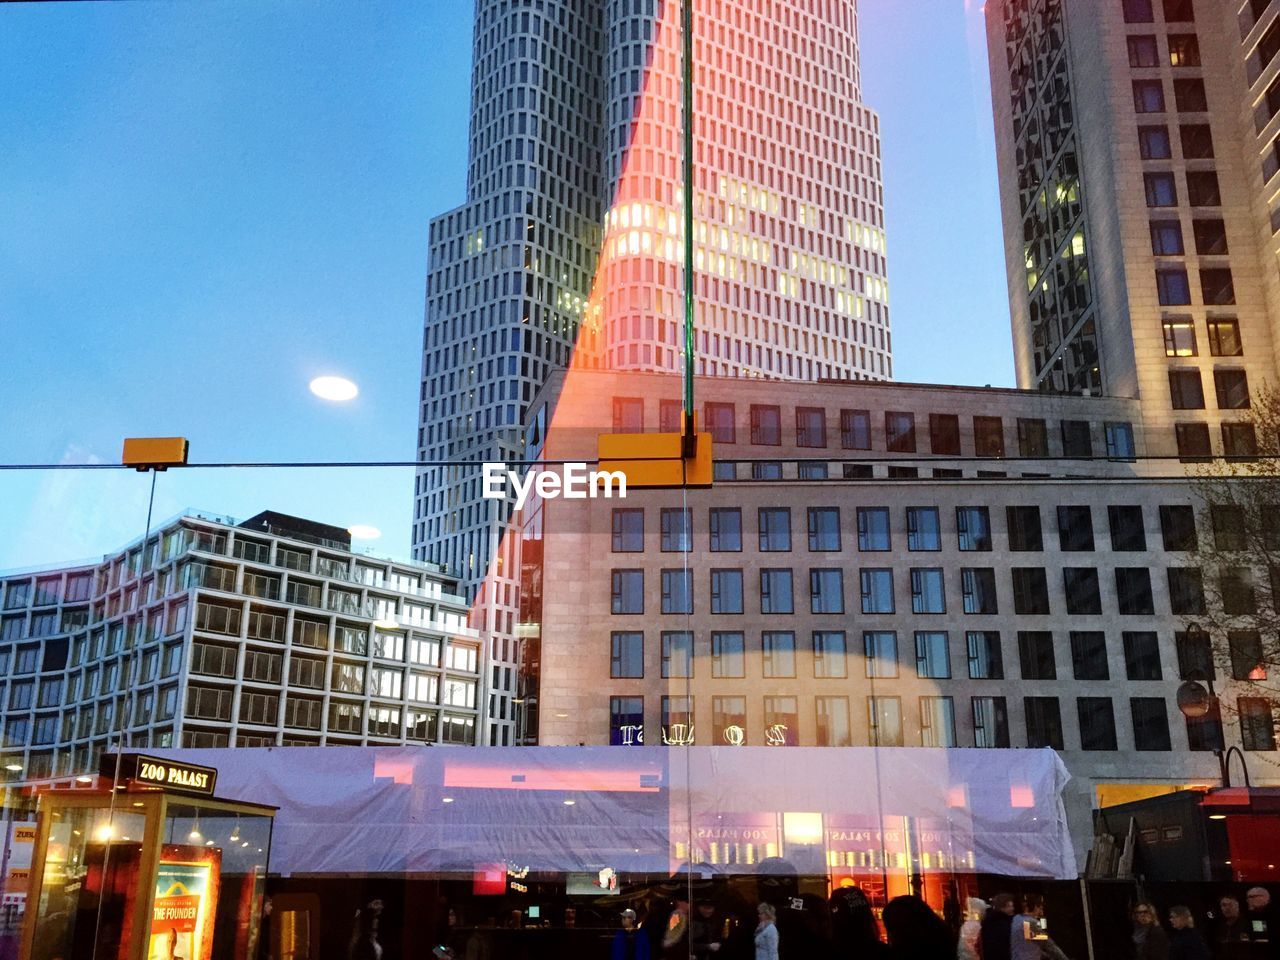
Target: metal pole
686,38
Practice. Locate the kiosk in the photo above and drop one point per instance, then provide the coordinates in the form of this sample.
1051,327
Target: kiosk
146,864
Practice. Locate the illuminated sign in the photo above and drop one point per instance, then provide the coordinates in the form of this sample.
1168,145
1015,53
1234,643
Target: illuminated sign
170,775
182,911
577,483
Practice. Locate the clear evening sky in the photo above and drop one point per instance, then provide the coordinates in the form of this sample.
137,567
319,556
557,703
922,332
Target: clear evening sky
207,204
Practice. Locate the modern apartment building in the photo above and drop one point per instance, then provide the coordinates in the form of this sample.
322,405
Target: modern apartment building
261,633
1136,142
888,564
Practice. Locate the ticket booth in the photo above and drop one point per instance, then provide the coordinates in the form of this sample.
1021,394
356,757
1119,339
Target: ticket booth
147,864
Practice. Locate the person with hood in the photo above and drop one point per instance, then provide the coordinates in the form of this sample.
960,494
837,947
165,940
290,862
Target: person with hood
1185,942
855,934
916,932
997,927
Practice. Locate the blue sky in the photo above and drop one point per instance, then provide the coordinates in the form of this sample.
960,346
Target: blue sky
207,204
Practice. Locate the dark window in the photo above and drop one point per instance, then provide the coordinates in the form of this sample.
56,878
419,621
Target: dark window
1089,655
1184,50
1228,526
626,721
1075,529
1162,191
988,437
855,429
726,591
1197,141
1035,655
1138,11
726,529
677,591
824,528
1224,337
944,434
1166,238
990,722
1141,655
766,425
1173,288
1179,11
978,587
924,531
1044,722
1077,440
1150,723
1153,143
628,415
1081,587
1178,527
1193,441
1030,591
775,591
627,657
1127,532
900,432
628,530
1257,725
1189,95
775,529
677,529
1239,440
1148,96
873,529
1186,392
1097,723
1247,659
1133,591
1211,241
719,419
1033,438
1232,389
1205,733
973,528
1202,188
1026,532
628,591
1186,591
1217,288
986,660
1195,655
811,427
1235,584
1143,51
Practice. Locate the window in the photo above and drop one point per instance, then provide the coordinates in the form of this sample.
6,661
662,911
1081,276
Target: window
1077,440
988,437
986,661
1193,441
900,432
1148,96
1180,337
1190,96
1154,144
1075,529
1044,722
1197,144
627,657
728,655
1127,532
833,722
1178,527
1161,190
937,722
927,592
873,529
824,529
628,530
1150,723
944,434
1030,591
1133,591
1257,725
1141,655
766,425
1035,655
677,525
1097,723
829,654
628,591
1166,238
1184,50
626,721
855,429
766,470
923,530
1186,591
973,527
884,721
726,591
1185,390
719,420
1033,438
1081,587
1138,11
881,650
670,416
729,720
1195,655
775,529
1119,436
628,415
978,588
677,591
1217,287
877,590
933,656
677,654
776,591
990,722
1089,655
779,647
1179,11
1232,389
1247,658
1239,440
812,471
811,427
1205,733
1143,51
781,722
1228,526
726,529
1224,338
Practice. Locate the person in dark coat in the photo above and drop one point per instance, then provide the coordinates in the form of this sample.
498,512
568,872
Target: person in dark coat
1231,933
916,932
1185,942
855,934
705,929
997,926
1148,939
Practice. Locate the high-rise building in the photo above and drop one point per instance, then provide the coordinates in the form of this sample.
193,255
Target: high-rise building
1136,142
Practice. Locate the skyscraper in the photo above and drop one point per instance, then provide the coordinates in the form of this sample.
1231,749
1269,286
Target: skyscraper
1137,153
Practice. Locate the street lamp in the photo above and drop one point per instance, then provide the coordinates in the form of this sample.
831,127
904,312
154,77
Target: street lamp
1197,700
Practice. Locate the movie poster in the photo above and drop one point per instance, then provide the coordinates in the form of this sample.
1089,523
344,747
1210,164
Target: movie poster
185,899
